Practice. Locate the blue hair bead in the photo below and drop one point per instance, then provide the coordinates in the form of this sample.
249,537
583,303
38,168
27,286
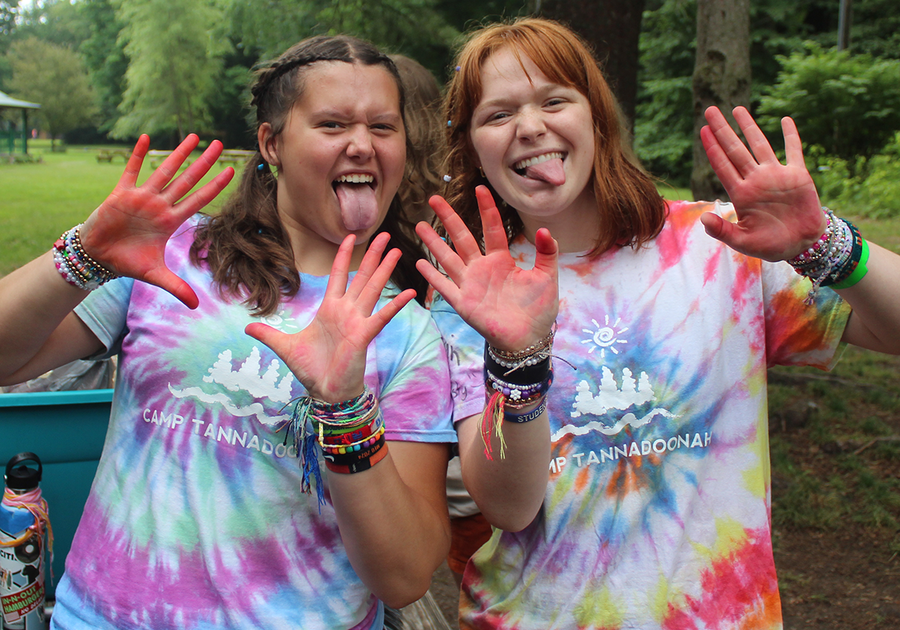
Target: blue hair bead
261,166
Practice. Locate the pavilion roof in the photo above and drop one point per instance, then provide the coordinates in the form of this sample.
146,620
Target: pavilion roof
8,101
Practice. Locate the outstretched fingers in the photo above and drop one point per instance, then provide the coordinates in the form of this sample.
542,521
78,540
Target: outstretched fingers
547,253
793,147
756,139
165,279
194,173
465,244
340,268
374,273
492,225
135,161
733,149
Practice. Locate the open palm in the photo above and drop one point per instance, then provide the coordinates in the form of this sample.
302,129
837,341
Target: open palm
129,231
511,308
778,209
329,356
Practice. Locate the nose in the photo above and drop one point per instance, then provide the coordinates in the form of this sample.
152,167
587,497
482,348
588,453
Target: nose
530,125
359,145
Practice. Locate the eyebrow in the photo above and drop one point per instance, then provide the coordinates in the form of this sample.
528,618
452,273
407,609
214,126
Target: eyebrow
541,91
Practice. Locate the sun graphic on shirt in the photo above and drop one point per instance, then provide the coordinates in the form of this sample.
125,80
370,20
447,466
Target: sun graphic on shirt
280,321
605,337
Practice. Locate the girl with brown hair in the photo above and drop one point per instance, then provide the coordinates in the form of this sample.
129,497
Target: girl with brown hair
266,351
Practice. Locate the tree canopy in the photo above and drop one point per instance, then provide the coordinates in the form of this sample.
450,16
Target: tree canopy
54,77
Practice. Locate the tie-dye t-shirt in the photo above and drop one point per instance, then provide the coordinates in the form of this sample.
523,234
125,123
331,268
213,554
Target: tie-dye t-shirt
657,511
196,519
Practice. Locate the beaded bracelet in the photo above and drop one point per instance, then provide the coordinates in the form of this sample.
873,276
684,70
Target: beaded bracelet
514,380
75,265
837,259
350,435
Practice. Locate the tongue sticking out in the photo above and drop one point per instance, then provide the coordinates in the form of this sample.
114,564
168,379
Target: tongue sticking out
550,171
359,208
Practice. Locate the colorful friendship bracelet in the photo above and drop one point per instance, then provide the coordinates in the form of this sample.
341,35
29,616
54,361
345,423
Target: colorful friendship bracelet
514,380
350,435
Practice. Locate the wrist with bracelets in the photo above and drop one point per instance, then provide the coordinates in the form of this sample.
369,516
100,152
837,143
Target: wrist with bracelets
350,435
75,265
514,381
837,259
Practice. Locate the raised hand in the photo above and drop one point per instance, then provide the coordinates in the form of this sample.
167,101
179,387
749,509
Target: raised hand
512,308
329,355
129,231
778,209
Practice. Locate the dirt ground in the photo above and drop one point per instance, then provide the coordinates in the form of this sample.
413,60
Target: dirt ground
840,580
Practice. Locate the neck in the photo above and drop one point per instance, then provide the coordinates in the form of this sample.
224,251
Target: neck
576,229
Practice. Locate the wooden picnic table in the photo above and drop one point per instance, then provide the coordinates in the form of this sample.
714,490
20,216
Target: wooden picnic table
229,156
107,155
238,157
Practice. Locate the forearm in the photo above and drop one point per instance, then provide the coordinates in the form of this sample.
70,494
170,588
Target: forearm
875,322
34,301
396,533
509,491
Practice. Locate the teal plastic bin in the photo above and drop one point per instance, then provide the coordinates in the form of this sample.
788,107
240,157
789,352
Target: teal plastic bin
66,430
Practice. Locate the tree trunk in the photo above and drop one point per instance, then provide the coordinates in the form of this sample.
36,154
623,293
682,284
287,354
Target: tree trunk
721,77
613,29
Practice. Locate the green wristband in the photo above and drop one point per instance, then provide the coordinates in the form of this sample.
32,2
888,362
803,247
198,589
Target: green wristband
858,273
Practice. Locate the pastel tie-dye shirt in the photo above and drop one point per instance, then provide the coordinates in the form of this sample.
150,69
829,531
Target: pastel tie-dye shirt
657,511
196,519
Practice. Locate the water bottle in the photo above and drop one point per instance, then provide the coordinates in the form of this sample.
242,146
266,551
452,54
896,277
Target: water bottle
23,518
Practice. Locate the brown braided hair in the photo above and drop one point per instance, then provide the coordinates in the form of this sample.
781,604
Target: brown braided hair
245,246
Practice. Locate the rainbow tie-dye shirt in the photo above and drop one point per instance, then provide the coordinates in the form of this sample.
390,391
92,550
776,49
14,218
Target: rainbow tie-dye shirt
657,511
196,519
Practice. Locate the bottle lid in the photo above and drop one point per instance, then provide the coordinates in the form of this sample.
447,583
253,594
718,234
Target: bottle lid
21,477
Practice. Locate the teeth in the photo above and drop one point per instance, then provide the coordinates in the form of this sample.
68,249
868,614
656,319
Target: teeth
537,160
356,179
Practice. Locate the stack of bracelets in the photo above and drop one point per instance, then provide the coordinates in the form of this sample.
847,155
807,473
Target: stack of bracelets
837,260
350,434
75,265
514,381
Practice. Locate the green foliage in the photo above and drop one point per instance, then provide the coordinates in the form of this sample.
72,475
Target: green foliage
664,126
413,27
54,77
174,64
848,104
104,55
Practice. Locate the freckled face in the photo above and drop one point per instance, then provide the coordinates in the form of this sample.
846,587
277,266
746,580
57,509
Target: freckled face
342,153
535,140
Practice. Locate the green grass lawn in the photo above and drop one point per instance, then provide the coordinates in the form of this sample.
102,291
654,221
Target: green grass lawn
41,200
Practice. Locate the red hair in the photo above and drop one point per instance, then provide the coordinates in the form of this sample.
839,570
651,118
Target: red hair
631,210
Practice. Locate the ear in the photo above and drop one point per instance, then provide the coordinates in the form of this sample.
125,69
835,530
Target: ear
268,144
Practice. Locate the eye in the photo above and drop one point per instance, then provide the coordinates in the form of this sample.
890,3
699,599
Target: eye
555,102
330,124
496,117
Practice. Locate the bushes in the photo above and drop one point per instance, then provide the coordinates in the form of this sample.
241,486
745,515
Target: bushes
866,187
847,104
847,108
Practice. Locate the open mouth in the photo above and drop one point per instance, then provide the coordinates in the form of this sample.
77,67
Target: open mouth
355,178
522,166
358,198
